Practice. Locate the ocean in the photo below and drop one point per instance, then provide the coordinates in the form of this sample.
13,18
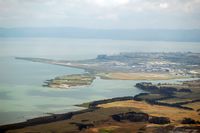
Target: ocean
22,95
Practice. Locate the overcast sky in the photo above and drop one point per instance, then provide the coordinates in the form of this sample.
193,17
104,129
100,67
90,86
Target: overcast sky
112,14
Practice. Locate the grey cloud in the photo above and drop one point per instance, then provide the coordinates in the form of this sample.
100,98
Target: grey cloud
100,13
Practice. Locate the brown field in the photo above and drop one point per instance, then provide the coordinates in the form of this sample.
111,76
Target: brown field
117,127
195,105
97,117
175,114
174,100
138,76
103,123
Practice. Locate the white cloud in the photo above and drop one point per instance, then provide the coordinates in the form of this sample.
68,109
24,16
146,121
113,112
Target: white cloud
108,17
118,13
164,5
108,3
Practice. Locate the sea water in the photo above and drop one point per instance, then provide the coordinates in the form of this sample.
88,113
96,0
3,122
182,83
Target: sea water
22,95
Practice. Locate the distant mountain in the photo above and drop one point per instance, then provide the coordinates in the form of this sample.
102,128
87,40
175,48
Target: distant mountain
136,34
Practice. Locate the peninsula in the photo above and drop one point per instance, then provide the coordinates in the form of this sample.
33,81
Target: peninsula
133,66
163,107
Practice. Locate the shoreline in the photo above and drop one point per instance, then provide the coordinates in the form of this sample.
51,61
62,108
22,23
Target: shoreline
59,117
93,106
96,105
120,67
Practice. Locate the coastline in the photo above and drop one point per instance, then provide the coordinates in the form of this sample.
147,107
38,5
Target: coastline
134,66
59,117
118,102
108,103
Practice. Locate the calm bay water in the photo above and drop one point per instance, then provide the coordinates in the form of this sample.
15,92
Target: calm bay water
21,93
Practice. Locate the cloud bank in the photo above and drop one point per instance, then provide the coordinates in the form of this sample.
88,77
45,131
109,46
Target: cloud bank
129,14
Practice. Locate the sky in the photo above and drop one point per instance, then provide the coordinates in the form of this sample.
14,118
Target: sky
101,14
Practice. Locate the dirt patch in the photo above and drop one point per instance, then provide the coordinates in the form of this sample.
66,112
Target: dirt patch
137,76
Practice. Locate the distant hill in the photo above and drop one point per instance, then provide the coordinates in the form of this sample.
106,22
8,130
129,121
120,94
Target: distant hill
136,34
